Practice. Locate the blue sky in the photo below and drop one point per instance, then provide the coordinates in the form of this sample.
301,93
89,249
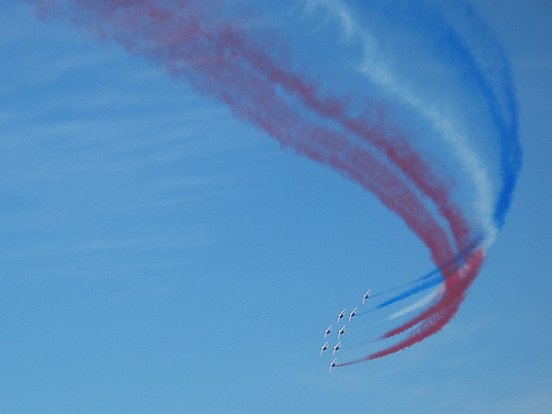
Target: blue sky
159,255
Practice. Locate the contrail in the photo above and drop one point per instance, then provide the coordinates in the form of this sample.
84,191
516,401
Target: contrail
494,84
427,284
484,68
426,281
432,320
241,66
376,68
426,300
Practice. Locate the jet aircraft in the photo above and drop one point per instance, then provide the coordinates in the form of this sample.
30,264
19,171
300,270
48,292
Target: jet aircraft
366,296
352,314
341,315
333,364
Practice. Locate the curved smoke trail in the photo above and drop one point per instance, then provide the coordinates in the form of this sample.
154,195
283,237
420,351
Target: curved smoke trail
426,300
250,70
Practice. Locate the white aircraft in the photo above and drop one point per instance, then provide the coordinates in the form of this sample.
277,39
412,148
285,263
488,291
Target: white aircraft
341,331
352,314
336,347
341,315
366,296
323,348
333,364
327,331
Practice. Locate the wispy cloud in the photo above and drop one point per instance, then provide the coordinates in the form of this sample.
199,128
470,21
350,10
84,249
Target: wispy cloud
197,239
538,402
51,69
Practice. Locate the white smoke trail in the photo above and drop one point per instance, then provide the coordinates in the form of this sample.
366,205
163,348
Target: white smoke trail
374,67
426,300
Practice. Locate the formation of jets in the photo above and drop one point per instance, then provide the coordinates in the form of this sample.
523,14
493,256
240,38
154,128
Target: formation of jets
342,330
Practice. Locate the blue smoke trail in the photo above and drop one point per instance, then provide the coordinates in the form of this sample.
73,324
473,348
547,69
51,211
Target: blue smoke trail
511,155
446,40
416,289
420,288
428,275
457,262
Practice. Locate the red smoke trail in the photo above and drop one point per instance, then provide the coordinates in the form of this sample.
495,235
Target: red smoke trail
218,60
395,147
455,287
152,20
436,317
